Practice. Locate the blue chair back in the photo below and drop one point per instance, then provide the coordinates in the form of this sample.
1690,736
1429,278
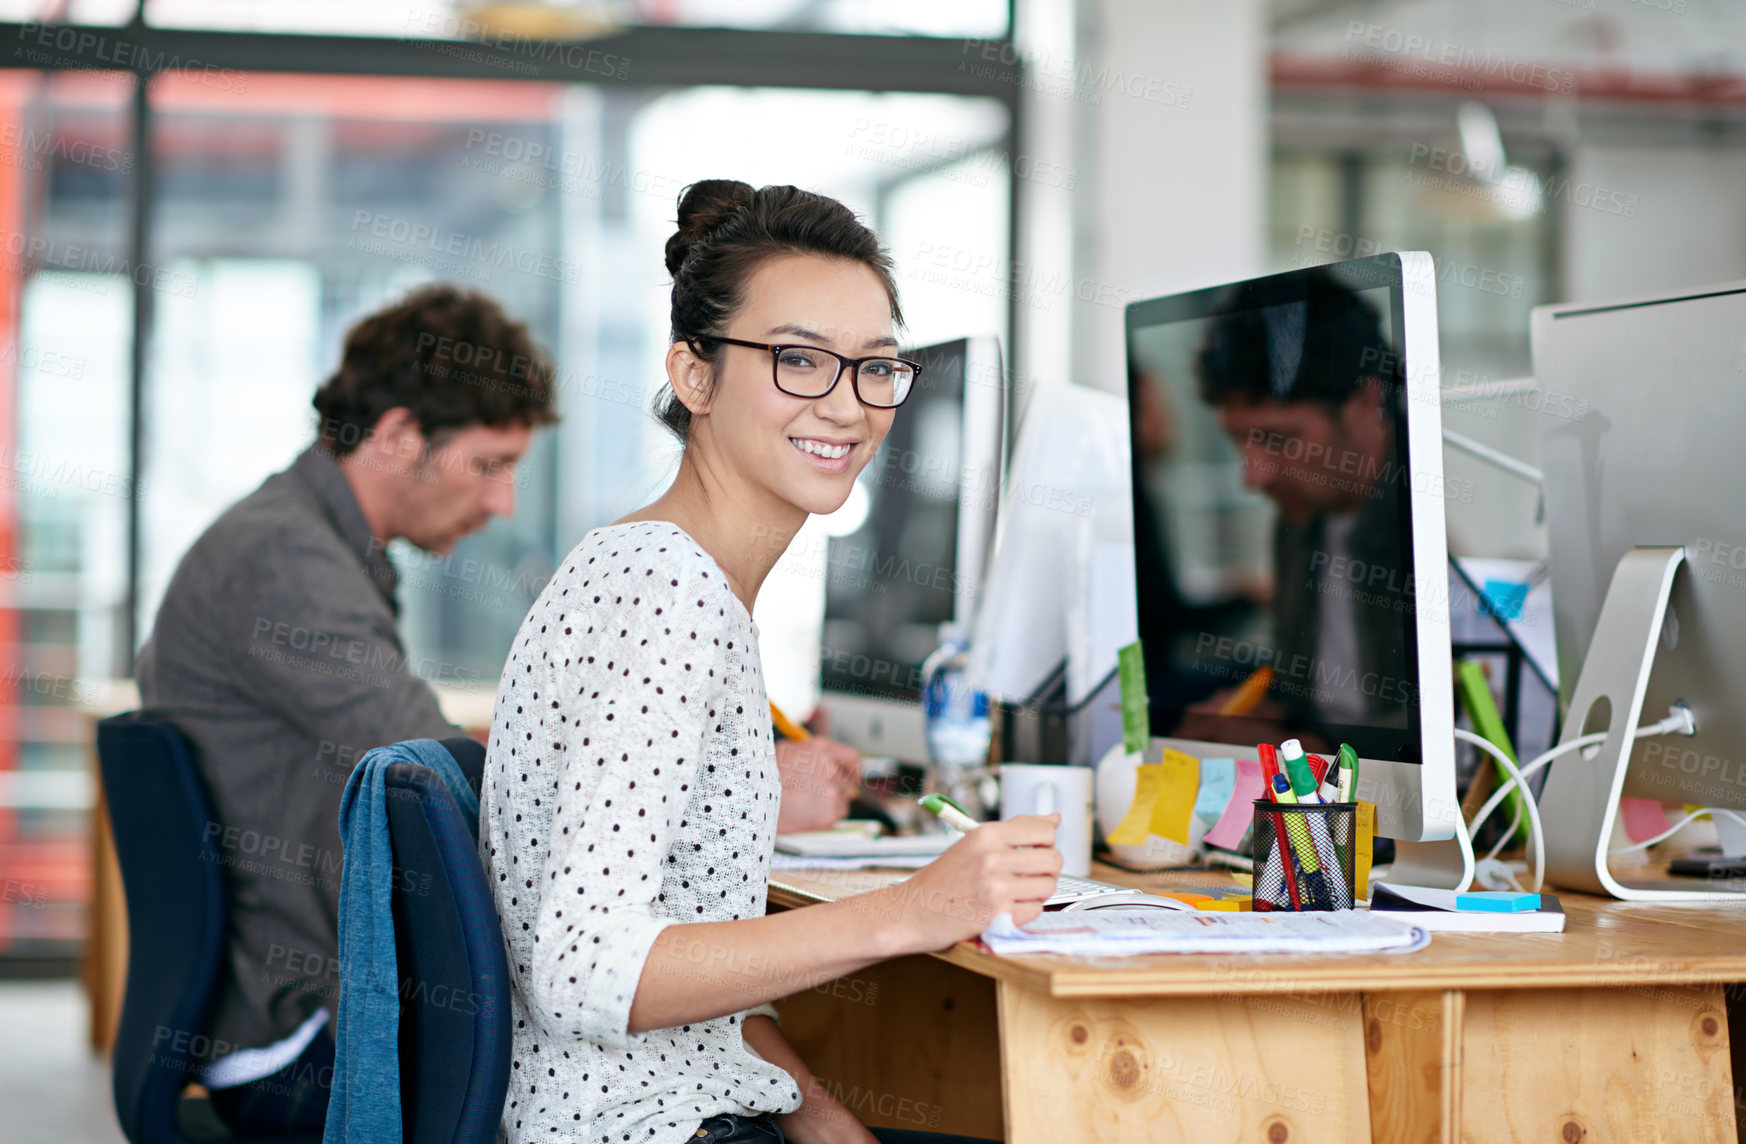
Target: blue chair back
454,980
161,820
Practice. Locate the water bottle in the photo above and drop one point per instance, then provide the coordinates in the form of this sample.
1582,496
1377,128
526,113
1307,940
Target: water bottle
958,728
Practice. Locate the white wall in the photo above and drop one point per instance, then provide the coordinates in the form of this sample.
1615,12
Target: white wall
1176,161
1688,229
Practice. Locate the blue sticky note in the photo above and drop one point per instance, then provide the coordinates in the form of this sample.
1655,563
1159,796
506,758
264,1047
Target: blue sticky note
1218,779
1506,598
1497,901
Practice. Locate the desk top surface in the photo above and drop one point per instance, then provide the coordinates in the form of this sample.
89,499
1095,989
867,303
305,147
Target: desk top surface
1672,950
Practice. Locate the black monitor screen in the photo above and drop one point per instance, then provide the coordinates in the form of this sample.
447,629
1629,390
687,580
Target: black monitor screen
1271,511
892,581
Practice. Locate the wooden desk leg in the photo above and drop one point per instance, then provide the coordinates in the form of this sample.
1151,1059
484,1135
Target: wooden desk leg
912,1043
104,967
1272,1069
1582,1065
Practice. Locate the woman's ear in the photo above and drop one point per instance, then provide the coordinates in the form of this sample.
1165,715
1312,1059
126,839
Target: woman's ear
692,378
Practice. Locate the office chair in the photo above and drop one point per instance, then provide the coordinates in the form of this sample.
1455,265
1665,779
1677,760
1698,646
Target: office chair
454,996
170,873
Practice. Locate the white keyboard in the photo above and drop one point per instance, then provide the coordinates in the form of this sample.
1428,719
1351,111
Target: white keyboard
1071,889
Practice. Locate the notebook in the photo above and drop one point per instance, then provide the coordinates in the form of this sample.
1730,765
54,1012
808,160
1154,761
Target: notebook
1435,910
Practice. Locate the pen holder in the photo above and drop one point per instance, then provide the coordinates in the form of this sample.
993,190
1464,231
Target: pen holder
1304,855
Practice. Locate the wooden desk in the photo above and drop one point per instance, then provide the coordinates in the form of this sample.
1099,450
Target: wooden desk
1615,1030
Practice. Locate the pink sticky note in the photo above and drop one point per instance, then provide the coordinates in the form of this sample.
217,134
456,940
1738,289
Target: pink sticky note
1239,812
1644,817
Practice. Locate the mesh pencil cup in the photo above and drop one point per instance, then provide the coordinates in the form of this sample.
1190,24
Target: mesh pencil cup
1304,854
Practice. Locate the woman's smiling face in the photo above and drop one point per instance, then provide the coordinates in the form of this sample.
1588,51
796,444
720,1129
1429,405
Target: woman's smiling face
805,451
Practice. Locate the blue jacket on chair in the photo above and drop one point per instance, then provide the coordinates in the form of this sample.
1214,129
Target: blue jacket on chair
365,1105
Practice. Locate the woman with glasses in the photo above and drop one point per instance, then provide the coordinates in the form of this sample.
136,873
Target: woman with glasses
630,794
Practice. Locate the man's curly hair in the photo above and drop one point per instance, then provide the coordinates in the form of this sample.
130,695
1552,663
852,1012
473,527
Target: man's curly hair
452,357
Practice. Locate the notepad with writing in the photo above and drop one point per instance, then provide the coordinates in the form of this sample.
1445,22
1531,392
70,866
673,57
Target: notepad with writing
1437,910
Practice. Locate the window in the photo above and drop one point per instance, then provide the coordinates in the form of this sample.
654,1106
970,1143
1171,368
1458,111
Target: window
66,305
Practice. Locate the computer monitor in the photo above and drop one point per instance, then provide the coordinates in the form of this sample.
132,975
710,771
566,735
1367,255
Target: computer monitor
926,509
1288,514
1641,433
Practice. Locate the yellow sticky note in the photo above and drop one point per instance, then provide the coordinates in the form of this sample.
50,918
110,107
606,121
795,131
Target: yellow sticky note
1361,856
1243,879
1178,785
1137,823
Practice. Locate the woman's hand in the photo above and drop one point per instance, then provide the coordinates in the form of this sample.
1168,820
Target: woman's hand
819,777
823,1119
999,868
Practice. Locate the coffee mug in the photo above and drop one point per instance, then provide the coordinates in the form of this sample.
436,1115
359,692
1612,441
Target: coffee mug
1050,788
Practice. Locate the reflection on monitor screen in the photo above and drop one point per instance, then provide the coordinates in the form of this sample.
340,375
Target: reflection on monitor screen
895,578
1271,516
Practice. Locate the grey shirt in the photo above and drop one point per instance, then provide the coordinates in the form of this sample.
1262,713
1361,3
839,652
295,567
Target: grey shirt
275,651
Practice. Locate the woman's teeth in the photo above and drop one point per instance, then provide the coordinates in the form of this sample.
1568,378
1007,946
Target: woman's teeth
819,448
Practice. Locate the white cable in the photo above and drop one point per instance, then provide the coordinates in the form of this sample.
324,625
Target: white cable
1677,827
1535,834
1679,719
1539,761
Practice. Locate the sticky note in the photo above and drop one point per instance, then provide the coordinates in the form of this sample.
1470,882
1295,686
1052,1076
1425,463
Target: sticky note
1643,817
1239,808
1178,785
1136,725
1497,901
1506,598
1243,879
1366,844
1218,778
1230,905
1136,824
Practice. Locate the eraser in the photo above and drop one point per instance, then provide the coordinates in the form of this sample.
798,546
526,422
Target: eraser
1497,901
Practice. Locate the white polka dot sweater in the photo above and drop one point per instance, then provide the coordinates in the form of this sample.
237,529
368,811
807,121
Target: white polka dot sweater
630,784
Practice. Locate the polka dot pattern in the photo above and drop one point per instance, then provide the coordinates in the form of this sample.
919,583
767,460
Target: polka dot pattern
630,784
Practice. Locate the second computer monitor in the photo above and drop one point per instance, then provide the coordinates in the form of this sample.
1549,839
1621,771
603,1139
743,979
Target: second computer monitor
1288,521
922,518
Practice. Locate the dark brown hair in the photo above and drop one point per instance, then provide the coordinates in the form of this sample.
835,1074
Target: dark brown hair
726,231
450,356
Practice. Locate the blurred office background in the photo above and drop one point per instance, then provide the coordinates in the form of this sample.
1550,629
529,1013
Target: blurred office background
198,196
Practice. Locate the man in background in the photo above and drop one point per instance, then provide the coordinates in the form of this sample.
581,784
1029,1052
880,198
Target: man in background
276,652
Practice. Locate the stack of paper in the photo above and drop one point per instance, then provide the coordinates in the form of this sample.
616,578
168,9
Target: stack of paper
1107,933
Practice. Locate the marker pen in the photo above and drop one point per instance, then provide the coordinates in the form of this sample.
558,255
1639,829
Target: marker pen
1303,780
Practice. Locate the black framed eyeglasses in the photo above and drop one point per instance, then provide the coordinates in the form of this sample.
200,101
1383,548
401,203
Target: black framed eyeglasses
811,372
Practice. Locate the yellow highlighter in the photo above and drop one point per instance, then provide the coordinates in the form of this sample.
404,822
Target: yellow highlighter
1249,693
787,727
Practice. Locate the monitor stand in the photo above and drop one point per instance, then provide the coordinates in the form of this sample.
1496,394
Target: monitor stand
1446,864
1579,805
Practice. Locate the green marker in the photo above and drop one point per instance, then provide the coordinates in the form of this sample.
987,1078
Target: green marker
949,812
1348,773
1297,769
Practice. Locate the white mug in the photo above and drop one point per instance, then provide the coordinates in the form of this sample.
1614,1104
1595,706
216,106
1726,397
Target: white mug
1048,788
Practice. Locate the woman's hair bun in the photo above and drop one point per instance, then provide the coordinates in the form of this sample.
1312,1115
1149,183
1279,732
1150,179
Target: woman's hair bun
703,206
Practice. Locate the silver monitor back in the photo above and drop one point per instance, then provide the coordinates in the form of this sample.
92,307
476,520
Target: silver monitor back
919,559
1643,443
